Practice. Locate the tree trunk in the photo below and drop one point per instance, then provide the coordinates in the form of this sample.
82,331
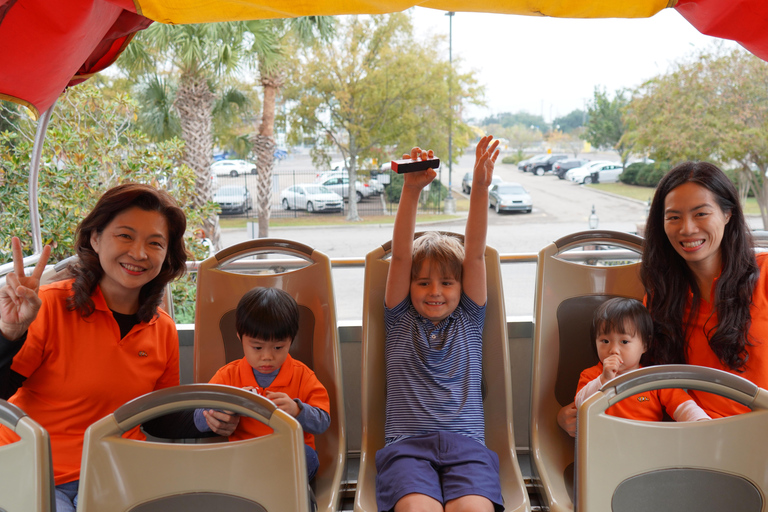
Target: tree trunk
194,103
352,213
264,147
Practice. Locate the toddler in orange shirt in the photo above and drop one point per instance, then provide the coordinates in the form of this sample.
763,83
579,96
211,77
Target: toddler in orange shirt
622,330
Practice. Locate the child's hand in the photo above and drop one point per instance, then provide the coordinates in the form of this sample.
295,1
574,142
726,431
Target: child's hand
420,179
611,365
223,423
284,403
485,160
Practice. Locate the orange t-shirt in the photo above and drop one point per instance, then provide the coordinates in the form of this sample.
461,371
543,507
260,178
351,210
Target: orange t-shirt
645,406
699,353
294,379
79,370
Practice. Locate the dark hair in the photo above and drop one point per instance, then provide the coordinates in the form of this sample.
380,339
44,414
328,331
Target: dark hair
446,251
270,314
87,270
622,315
668,279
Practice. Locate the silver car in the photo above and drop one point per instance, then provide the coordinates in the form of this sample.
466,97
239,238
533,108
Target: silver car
509,197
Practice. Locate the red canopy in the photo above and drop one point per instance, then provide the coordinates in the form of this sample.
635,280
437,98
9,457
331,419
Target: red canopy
48,45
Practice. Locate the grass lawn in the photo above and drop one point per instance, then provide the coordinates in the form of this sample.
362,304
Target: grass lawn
462,204
646,193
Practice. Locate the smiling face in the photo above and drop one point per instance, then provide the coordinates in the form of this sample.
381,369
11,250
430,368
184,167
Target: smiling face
433,294
265,356
694,224
629,348
131,249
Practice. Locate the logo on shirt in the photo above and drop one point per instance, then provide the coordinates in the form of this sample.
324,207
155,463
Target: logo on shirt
143,354
643,398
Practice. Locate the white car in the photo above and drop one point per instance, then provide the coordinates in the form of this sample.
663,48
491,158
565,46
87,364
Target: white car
233,168
340,185
311,197
608,172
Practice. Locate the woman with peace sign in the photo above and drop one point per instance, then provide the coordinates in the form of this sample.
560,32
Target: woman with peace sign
73,351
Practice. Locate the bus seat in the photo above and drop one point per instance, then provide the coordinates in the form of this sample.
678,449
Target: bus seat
306,274
26,474
497,367
262,474
706,466
567,293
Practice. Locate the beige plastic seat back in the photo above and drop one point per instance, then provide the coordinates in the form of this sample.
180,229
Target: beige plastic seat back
496,376
643,466
567,293
263,474
26,474
305,274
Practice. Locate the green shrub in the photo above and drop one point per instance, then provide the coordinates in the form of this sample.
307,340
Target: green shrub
629,176
392,192
509,159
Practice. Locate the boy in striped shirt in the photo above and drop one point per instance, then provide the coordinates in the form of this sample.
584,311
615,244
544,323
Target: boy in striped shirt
435,456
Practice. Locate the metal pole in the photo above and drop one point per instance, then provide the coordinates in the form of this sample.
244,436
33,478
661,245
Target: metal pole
34,210
450,201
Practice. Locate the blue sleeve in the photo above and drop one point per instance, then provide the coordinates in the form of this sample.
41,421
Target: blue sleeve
200,422
313,420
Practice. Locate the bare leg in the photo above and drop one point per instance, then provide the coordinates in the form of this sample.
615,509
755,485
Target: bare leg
470,503
416,502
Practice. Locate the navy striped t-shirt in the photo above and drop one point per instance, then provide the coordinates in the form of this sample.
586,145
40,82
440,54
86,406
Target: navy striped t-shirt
434,372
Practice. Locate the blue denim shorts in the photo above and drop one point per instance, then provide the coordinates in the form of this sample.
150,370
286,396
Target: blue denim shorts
442,465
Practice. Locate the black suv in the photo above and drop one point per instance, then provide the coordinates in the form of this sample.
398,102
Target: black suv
541,166
563,166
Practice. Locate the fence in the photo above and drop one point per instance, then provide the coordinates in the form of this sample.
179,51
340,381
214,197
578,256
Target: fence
287,202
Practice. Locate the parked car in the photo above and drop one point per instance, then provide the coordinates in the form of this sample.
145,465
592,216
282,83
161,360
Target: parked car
340,185
508,197
233,168
466,182
523,165
569,173
233,199
311,198
608,172
563,166
545,165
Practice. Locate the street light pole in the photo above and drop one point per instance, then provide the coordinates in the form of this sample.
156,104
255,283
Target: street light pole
450,202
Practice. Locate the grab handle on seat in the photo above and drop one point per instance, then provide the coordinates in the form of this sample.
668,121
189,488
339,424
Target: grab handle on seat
10,415
683,376
607,237
263,245
193,396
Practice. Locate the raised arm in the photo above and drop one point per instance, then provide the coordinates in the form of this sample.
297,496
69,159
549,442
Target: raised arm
399,276
19,302
473,269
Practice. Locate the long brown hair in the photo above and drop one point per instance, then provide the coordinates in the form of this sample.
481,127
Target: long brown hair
668,279
87,270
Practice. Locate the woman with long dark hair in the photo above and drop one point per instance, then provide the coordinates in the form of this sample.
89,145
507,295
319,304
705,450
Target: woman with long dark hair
73,351
703,281
706,289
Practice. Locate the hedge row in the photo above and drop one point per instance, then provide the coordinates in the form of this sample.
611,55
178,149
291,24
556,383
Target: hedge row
643,174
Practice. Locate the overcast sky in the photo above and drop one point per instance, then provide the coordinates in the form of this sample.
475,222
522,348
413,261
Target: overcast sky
550,66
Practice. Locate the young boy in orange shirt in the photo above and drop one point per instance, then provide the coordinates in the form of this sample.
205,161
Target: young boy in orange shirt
267,320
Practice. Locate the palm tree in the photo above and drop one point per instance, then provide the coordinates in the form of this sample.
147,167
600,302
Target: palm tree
282,33
196,55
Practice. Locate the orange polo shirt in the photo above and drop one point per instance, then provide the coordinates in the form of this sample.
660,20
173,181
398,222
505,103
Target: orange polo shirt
699,353
645,406
79,370
294,379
